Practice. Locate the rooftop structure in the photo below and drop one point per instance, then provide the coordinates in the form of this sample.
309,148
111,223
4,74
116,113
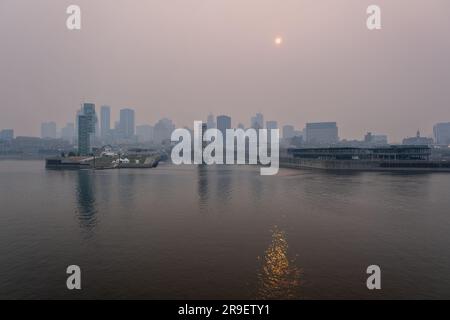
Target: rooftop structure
322,133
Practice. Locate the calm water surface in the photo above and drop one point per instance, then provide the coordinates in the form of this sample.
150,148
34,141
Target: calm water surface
222,232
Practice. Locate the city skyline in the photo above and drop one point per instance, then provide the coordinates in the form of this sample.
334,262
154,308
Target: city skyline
175,62
429,132
61,126
227,156
127,126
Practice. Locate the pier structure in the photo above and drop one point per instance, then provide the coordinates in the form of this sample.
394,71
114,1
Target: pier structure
391,158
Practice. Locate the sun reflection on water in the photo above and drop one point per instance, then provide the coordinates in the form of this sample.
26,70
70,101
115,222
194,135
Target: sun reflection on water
279,277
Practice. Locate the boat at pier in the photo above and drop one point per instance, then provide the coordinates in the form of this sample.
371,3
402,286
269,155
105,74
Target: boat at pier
130,161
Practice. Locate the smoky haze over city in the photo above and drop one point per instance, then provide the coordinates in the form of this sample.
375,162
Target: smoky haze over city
202,151
185,59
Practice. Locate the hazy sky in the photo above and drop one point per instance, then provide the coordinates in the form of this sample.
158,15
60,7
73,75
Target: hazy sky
185,58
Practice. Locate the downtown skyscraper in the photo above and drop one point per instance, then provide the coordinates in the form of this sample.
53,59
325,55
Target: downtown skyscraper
127,123
105,121
257,122
87,120
223,123
441,133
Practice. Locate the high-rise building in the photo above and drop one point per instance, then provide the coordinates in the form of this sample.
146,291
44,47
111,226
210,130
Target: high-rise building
86,128
7,134
322,133
48,130
442,134
68,132
163,130
271,125
127,126
257,122
105,121
144,133
211,124
223,123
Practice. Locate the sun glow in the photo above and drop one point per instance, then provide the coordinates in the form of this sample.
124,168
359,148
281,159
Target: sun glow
278,41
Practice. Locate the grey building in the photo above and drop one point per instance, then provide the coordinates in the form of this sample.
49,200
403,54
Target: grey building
442,134
163,130
105,121
418,140
126,123
7,134
87,120
322,133
223,123
257,122
211,124
271,125
375,139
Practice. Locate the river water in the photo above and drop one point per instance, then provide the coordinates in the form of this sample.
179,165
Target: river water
224,232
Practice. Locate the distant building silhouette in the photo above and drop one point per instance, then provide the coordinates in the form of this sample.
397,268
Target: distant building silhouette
48,130
87,120
418,140
271,125
322,133
105,122
375,139
442,134
127,123
7,134
163,130
257,122
211,124
223,123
